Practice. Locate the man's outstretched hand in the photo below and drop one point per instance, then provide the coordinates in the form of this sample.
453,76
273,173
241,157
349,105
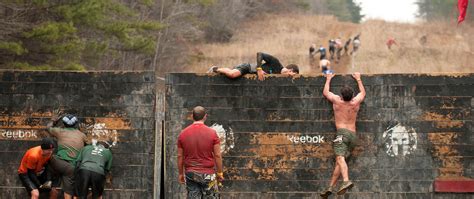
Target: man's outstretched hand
261,75
356,76
56,115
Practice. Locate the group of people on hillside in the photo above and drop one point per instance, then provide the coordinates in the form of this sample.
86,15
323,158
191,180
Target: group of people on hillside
65,160
268,64
336,48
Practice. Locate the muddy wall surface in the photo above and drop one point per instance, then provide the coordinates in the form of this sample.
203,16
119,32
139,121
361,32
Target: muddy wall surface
412,131
117,107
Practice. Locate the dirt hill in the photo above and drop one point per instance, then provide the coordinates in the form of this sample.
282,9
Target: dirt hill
446,49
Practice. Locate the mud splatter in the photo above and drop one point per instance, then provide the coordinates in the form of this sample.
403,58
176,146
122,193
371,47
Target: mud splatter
234,174
318,151
443,138
24,122
267,138
442,121
450,124
265,173
3,122
111,123
451,165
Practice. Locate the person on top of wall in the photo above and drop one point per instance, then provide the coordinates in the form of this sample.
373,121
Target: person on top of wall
199,158
345,108
92,165
70,142
266,64
34,172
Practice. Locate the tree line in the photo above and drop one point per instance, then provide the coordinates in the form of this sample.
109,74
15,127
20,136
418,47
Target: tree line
440,10
137,34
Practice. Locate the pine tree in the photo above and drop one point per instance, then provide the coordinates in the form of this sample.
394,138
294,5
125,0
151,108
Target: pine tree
71,35
345,10
433,10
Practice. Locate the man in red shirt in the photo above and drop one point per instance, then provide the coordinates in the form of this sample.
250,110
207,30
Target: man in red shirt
32,171
199,156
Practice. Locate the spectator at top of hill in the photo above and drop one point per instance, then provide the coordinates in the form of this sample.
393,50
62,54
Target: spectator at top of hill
346,46
391,41
312,53
355,43
332,48
322,52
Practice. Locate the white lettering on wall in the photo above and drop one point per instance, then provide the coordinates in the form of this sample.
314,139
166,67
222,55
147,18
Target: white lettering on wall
18,134
306,139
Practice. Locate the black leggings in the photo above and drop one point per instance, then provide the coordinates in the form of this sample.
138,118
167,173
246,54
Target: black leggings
30,181
85,179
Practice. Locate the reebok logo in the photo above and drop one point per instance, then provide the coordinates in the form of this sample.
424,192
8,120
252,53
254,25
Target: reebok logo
317,139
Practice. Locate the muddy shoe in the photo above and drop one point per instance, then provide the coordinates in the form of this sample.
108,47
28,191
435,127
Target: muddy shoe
326,192
213,69
344,187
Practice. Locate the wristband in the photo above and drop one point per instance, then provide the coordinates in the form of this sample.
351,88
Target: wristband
259,68
358,80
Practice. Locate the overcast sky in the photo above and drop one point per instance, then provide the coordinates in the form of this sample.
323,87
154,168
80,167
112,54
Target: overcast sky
389,10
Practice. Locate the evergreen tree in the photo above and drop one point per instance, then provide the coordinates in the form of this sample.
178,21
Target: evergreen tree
354,9
345,10
432,10
71,35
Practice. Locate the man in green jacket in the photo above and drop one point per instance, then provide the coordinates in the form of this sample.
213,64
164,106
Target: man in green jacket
70,142
92,165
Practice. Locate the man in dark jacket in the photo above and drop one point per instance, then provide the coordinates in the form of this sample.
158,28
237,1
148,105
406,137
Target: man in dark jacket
92,165
266,64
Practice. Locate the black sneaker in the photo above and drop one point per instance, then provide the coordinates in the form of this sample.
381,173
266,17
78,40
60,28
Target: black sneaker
344,187
213,69
327,192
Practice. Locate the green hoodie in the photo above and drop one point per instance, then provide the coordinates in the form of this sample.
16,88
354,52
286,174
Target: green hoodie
95,158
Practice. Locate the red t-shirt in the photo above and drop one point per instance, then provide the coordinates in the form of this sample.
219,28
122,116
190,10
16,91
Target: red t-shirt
33,159
197,142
